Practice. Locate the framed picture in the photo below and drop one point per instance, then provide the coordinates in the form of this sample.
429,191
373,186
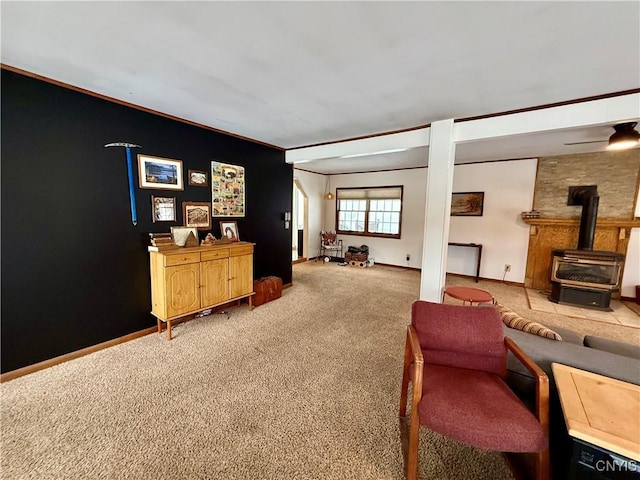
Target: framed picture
227,190
181,234
163,209
160,173
229,230
197,214
469,204
198,178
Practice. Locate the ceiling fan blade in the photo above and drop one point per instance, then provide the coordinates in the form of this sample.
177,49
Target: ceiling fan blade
593,141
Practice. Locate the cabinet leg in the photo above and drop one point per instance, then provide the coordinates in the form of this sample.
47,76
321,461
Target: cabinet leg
159,325
250,302
168,329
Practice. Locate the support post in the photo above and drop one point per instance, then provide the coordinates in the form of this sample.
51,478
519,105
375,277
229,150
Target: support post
437,210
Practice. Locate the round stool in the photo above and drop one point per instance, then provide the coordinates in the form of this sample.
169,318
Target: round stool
469,294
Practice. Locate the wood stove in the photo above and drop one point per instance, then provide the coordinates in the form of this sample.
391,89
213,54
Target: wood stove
585,277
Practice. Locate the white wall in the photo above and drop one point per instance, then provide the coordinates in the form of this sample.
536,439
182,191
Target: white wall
388,250
631,276
508,190
508,187
313,185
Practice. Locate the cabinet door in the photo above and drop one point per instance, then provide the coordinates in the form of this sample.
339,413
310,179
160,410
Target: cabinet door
240,275
182,289
214,287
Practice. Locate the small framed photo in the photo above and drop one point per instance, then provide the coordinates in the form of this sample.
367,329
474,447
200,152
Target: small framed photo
163,209
197,214
229,230
181,234
160,173
467,204
198,178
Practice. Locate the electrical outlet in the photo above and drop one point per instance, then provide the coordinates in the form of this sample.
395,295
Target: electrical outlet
507,267
408,257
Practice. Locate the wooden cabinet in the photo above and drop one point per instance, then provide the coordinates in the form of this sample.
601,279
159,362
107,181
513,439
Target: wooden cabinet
182,291
241,271
187,280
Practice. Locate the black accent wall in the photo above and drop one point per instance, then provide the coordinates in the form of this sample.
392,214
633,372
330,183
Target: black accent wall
75,269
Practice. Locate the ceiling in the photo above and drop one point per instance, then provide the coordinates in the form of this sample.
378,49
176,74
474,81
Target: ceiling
293,74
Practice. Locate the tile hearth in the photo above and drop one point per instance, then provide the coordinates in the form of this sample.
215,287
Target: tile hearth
621,314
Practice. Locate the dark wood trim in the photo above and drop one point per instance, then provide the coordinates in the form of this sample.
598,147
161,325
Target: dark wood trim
310,171
472,277
417,168
20,372
287,285
401,267
373,135
496,280
26,73
549,105
299,260
479,117
364,171
366,233
628,299
495,161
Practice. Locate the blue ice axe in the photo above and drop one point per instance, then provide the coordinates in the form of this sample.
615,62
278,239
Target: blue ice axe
132,193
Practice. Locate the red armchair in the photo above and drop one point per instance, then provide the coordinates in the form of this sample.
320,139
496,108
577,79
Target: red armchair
455,358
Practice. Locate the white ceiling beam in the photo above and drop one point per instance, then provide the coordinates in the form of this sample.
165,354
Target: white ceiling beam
363,146
584,114
591,113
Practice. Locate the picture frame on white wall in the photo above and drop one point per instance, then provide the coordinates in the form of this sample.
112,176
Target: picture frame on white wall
467,204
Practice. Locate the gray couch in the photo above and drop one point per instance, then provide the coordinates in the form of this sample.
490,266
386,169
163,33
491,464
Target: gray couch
594,354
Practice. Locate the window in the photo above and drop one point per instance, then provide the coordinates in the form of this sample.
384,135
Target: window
371,211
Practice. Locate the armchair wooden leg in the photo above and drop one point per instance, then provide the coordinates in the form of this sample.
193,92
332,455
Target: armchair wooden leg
412,448
542,465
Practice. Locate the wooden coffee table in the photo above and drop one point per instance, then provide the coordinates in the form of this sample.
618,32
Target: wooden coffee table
602,417
469,294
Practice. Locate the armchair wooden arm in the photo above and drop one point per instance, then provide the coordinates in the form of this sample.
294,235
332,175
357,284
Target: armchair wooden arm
412,354
542,383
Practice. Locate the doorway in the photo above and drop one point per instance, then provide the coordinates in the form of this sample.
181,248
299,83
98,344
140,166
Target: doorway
299,225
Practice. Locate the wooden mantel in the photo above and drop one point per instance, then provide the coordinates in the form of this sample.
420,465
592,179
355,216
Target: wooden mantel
600,222
548,233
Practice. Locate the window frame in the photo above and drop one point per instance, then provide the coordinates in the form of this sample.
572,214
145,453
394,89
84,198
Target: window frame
366,233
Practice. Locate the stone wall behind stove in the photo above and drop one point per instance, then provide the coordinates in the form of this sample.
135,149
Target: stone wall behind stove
615,173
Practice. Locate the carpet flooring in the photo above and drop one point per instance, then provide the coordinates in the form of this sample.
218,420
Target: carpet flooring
305,387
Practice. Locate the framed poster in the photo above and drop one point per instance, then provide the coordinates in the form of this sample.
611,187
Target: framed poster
229,230
160,173
163,209
467,204
227,190
198,178
197,214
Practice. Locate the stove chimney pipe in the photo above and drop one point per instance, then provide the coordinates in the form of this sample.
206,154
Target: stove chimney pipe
587,196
